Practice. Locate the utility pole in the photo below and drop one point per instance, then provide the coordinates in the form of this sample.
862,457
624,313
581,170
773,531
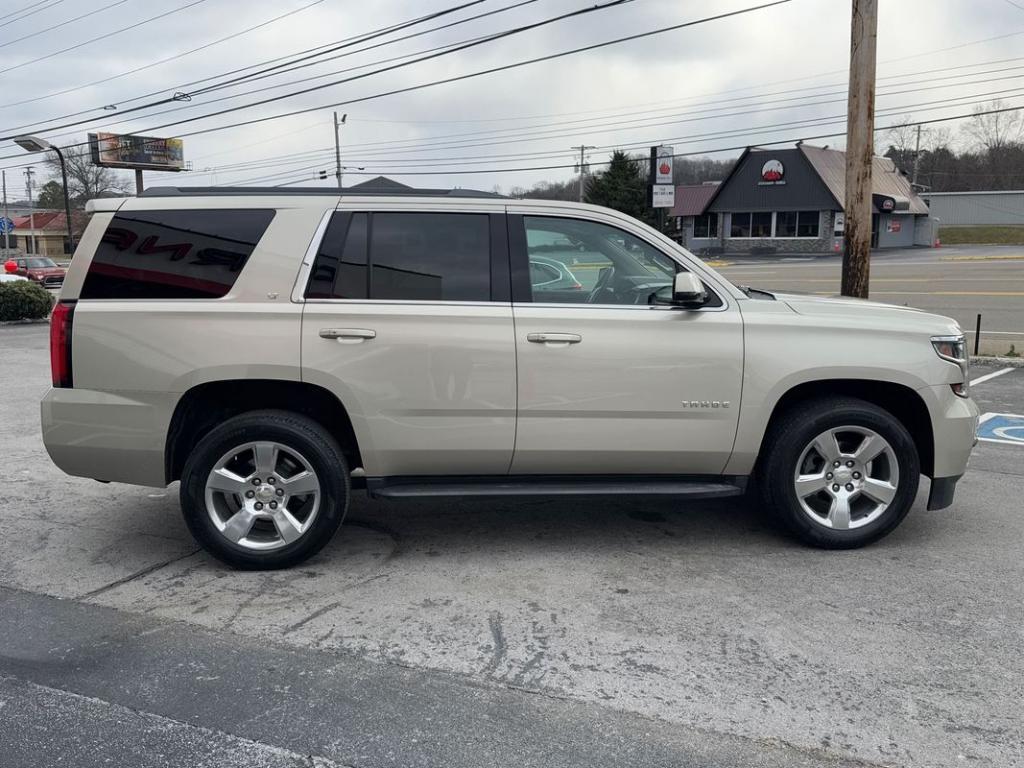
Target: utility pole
860,150
917,154
29,173
337,146
7,235
583,165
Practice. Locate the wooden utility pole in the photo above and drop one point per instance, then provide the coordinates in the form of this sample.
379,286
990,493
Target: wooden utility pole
860,148
917,154
582,167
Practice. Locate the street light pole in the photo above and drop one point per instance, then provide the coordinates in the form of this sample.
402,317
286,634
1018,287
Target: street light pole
67,198
35,144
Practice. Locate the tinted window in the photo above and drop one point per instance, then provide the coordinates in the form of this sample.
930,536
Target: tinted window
430,256
339,271
192,254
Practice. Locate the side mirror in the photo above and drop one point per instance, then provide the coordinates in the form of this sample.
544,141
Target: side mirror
688,290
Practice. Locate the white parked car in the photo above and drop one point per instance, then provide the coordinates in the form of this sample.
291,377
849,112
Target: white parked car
273,351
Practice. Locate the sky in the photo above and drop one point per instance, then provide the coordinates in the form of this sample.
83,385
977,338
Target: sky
706,89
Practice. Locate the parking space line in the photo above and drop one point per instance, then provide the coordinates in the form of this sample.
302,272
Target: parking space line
989,376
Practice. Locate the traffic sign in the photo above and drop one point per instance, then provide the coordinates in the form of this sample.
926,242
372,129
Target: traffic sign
6,225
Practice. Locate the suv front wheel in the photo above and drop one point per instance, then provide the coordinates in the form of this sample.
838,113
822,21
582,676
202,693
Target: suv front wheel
264,490
840,472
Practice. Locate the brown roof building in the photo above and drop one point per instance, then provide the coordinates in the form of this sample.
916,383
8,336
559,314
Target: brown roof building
792,201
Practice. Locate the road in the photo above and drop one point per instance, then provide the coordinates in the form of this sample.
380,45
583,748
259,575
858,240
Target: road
550,633
956,282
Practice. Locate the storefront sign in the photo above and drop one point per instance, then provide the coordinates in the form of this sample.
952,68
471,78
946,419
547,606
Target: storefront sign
661,165
772,174
663,195
895,225
840,225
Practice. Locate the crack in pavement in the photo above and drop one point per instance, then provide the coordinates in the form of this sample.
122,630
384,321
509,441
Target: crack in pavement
137,575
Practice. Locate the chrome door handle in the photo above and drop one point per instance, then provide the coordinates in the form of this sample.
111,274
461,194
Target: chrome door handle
348,335
554,338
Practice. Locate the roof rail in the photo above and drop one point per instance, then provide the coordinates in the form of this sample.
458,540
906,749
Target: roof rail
315,191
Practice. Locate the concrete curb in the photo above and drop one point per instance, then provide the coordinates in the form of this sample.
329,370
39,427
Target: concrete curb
24,322
1004,362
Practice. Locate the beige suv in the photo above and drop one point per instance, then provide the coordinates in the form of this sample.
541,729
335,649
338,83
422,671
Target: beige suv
273,351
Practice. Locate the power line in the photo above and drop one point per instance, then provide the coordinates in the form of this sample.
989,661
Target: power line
52,54
62,24
203,47
293,94
711,151
351,40
43,6
266,88
456,78
813,122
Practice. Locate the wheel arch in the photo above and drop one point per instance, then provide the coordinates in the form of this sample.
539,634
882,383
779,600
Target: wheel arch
206,405
901,401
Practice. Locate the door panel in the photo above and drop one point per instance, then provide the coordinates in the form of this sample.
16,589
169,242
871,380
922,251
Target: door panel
614,401
609,383
430,388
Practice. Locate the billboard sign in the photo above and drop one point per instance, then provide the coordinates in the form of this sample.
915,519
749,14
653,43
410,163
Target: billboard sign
661,165
113,150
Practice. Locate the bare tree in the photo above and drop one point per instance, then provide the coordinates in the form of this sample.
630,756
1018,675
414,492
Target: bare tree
85,180
994,132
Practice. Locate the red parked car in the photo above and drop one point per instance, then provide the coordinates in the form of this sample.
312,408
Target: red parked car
41,269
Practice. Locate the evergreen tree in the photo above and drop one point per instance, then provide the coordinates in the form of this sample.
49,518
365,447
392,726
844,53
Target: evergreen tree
622,186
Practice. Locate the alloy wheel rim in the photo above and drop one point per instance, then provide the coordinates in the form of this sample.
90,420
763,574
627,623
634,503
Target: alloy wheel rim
846,478
262,495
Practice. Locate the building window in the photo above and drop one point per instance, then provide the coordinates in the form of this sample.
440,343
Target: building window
785,224
740,225
796,224
807,224
761,224
706,225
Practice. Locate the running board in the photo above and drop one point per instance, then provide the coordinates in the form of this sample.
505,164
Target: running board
691,487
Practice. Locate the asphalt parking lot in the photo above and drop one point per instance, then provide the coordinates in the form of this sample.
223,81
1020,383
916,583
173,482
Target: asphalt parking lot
549,633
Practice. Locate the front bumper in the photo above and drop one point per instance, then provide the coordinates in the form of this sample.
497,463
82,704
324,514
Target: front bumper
955,433
954,429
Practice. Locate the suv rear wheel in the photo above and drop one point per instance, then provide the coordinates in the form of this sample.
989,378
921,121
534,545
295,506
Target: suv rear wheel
840,472
264,490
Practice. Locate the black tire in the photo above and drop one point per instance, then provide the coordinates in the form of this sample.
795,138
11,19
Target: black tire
293,431
792,431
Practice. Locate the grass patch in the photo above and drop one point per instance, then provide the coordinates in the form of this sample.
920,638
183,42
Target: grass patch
982,235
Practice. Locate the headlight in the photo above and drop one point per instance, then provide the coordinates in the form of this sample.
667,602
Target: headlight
954,349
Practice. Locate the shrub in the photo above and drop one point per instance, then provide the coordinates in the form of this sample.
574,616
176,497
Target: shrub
24,300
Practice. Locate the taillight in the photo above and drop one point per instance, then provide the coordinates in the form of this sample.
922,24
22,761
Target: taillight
60,344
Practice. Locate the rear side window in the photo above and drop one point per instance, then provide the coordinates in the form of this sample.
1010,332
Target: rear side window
187,254
404,257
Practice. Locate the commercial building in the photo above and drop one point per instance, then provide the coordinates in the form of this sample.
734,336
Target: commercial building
44,233
792,201
998,208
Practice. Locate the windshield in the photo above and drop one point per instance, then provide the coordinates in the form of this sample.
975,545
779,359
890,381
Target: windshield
40,263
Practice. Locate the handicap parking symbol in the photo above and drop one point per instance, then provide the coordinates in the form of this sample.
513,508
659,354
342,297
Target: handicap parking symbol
1001,428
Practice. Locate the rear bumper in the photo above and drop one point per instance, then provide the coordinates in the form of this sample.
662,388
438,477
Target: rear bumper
116,437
